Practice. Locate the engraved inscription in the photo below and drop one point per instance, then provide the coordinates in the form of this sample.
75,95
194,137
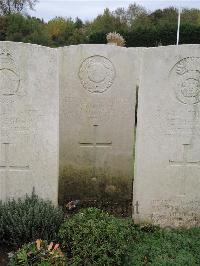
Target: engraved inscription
10,80
183,122
95,110
186,80
178,121
14,119
177,212
97,74
91,110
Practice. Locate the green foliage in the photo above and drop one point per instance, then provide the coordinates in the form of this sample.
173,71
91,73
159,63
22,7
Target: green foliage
3,27
164,247
98,37
28,219
92,237
38,253
66,32
138,26
60,30
107,23
27,29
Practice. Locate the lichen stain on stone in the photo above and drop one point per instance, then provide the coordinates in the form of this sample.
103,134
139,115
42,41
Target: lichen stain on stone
80,183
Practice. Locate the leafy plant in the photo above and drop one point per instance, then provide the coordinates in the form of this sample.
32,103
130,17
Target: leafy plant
38,253
92,237
28,219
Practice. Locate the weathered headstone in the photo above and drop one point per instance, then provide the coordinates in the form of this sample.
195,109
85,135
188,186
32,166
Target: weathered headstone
97,110
98,85
29,121
167,166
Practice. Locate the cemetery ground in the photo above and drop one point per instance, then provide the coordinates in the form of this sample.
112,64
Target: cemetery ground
34,232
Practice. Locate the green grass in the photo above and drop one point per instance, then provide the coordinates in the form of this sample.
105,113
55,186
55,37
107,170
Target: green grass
164,247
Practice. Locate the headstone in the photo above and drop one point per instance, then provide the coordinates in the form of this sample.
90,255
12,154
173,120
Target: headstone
167,166
29,121
97,110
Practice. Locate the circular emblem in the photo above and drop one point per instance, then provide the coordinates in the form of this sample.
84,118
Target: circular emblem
97,74
185,79
9,78
9,82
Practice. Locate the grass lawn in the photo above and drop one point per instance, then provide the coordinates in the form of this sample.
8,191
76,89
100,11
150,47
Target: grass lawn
164,247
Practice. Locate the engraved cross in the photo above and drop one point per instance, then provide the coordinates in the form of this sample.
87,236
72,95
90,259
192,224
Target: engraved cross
8,167
95,144
184,163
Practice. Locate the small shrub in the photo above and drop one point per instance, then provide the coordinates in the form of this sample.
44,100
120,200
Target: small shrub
92,237
28,219
115,38
38,253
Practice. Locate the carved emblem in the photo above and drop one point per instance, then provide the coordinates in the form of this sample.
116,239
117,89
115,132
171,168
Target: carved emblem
10,80
97,74
185,78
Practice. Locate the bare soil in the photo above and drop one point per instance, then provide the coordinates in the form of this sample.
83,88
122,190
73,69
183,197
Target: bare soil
118,209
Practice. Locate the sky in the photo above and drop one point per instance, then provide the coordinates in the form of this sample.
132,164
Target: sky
89,9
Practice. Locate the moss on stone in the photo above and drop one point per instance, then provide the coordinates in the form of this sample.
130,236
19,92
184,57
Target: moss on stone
80,183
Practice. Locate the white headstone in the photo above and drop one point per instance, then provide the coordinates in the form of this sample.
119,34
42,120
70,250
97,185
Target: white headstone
97,110
167,166
29,121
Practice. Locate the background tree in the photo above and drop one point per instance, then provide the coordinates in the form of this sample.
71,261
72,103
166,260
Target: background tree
61,30
27,29
15,6
130,14
191,16
138,26
106,22
3,27
78,23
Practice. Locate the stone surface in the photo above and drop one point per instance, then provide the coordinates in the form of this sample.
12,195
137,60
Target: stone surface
98,85
29,121
167,166
97,110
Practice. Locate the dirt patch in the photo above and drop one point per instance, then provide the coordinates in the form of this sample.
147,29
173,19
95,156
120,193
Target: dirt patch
119,209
